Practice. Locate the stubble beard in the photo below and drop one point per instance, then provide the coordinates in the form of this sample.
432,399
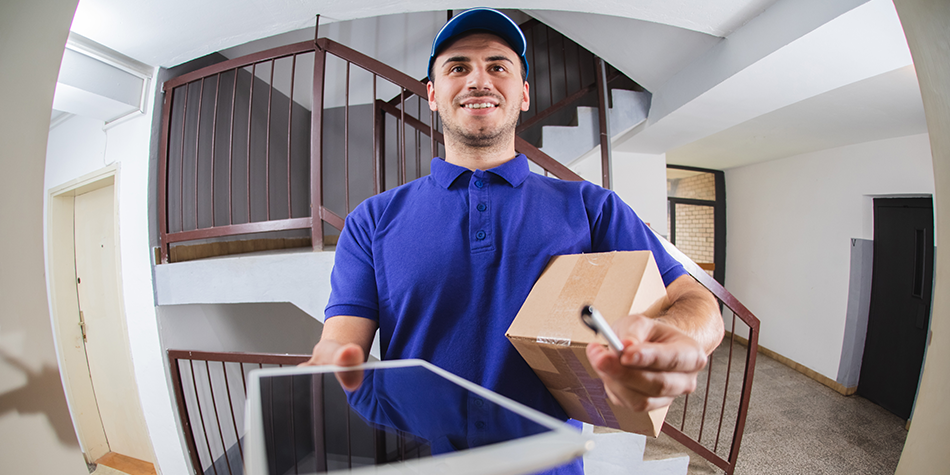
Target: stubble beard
480,137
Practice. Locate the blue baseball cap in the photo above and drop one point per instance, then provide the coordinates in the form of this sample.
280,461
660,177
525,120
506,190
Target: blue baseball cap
486,19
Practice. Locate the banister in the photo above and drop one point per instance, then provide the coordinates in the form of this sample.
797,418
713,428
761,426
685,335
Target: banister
545,161
373,65
237,63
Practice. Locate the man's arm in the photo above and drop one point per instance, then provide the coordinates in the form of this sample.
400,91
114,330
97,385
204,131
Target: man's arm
662,355
694,311
345,341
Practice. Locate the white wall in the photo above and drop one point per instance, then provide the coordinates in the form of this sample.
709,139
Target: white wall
790,222
638,178
77,147
36,433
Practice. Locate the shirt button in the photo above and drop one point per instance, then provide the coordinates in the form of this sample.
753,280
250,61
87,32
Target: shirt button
479,425
479,403
479,183
481,207
480,235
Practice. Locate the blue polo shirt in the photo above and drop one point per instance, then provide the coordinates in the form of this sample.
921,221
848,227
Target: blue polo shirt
444,263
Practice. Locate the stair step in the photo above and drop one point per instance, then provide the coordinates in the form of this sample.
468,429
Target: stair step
621,453
567,143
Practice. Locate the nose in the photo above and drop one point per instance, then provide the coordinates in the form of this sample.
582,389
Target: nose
479,79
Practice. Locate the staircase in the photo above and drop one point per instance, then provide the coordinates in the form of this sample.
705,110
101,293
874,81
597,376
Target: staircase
569,144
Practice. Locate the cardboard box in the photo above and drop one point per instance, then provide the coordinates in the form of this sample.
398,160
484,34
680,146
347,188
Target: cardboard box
552,338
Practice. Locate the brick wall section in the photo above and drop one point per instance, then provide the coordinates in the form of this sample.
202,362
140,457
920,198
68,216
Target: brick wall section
695,225
695,232
699,187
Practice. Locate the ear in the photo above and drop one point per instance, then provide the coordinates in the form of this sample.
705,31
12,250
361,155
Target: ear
430,90
526,100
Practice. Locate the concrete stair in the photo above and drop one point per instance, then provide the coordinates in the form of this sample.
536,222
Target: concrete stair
567,144
621,453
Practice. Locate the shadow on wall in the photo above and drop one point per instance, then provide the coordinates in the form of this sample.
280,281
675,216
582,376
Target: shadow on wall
42,394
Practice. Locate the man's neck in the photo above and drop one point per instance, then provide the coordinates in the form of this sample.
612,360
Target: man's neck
481,158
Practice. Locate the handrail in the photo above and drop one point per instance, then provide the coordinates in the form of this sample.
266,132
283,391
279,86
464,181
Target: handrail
373,65
237,63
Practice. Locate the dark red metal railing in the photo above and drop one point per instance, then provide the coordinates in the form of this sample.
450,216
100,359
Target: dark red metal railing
211,411
203,391
231,160
719,388
207,188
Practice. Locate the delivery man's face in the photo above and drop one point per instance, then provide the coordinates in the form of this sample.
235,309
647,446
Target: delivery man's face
478,89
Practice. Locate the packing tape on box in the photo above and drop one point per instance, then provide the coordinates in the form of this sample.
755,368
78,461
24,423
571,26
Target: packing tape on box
589,390
585,279
556,341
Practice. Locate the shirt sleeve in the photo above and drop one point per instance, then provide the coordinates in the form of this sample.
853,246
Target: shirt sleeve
353,288
616,227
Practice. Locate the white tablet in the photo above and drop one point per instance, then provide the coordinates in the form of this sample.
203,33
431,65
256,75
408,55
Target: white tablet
408,416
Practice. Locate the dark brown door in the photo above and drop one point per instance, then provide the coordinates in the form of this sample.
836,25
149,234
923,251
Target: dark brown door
899,314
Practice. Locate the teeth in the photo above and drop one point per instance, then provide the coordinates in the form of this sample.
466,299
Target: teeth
482,105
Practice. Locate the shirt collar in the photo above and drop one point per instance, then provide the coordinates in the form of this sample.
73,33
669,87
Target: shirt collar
514,171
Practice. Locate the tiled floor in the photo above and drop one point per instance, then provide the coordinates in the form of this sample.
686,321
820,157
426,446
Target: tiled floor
798,426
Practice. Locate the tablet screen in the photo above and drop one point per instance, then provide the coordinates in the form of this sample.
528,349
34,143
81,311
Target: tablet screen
404,414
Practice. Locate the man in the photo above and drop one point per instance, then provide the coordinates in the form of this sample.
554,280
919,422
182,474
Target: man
441,265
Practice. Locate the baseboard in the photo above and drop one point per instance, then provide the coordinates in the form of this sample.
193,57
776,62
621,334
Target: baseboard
836,386
126,464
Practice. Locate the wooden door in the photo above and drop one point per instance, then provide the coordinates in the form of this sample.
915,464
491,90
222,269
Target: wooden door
106,337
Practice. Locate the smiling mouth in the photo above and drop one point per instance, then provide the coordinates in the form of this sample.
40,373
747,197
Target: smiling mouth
482,105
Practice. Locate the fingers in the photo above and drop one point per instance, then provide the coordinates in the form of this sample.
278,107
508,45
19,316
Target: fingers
634,388
659,363
332,353
680,356
349,355
654,345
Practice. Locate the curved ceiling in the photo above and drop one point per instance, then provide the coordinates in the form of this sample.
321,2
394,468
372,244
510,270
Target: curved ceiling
170,32
733,81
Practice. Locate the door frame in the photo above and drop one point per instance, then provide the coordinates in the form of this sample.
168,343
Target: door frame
64,307
872,200
719,216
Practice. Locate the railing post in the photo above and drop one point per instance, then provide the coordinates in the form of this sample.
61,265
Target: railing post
605,166
163,153
379,116
183,411
316,144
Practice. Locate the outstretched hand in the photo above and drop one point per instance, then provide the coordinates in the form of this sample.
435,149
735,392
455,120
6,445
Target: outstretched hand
659,363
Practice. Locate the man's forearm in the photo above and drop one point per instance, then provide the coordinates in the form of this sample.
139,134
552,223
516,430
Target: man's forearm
694,311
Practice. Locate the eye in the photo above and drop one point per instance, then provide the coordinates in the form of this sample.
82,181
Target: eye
456,69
